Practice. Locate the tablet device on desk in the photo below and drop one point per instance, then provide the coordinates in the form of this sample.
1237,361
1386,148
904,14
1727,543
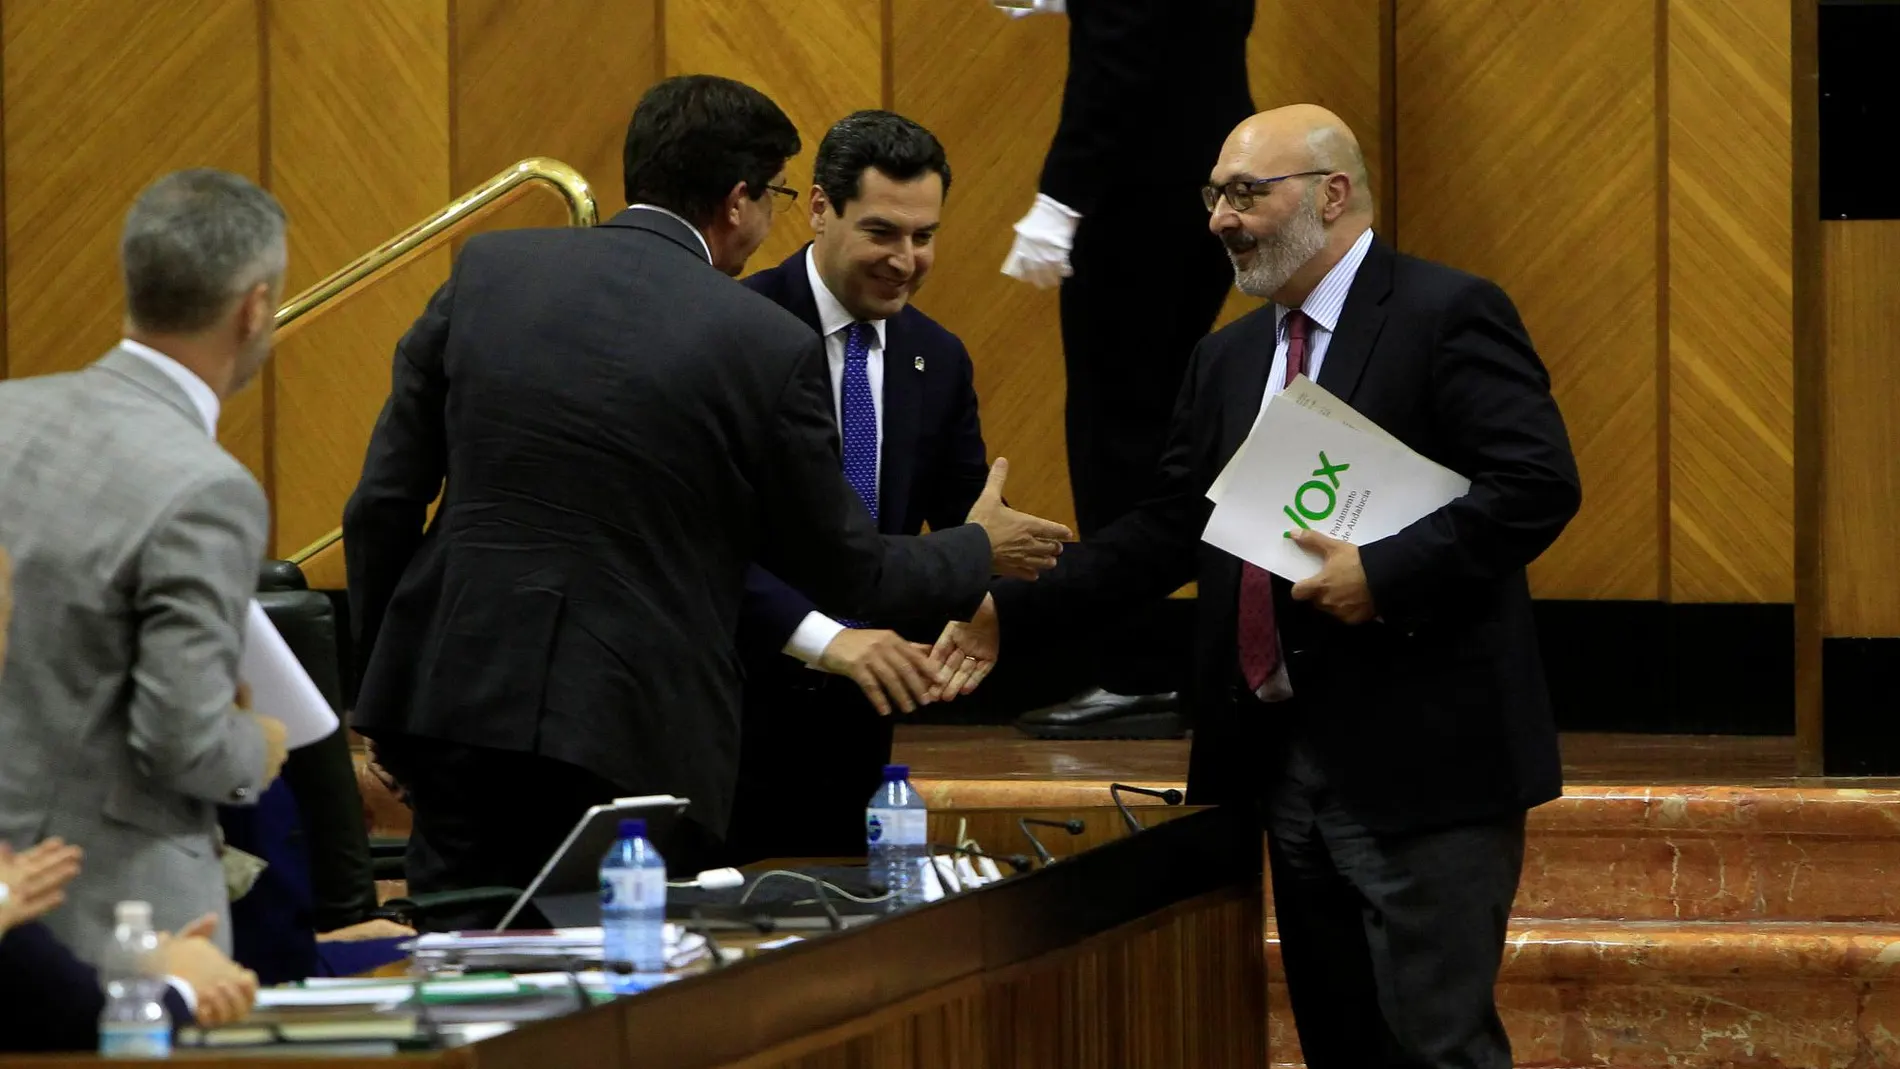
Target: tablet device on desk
569,884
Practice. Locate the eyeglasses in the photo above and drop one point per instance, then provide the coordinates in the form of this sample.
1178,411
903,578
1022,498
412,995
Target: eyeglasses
1242,192
786,198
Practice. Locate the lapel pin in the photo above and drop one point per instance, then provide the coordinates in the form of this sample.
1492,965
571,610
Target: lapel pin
918,363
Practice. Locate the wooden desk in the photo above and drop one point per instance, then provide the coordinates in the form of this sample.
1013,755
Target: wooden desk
1145,953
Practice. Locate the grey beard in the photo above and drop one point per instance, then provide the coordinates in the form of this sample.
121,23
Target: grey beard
1278,257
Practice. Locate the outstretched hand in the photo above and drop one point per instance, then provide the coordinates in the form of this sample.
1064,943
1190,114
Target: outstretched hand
1021,546
887,667
967,652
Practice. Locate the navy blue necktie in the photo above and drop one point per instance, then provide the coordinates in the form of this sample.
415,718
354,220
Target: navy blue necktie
857,416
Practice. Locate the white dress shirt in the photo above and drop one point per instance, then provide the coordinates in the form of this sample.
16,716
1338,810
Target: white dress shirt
816,631
1322,306
203,397
682,221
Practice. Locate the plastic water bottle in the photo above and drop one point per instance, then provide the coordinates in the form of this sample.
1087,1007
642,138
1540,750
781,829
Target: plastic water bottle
896,838
633,901
135,1022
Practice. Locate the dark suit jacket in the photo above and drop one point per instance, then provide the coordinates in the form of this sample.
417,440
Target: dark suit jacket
932,465
623,431
49,999
1152,91
1439,714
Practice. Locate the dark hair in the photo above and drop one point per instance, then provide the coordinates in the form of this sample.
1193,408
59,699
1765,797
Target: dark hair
694,136
193,241
896,146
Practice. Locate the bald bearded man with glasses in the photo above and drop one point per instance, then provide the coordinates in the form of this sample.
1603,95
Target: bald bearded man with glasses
1388,717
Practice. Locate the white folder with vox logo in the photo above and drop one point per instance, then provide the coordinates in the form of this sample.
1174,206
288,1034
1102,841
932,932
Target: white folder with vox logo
1311,461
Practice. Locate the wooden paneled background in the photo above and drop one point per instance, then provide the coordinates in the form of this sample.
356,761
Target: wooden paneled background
1625,170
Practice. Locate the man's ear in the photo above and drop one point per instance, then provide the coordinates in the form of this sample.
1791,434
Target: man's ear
731,211
1338,196
820,209
258,310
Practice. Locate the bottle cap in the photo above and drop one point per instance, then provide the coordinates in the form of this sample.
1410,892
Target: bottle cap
136,914
894,773
633,828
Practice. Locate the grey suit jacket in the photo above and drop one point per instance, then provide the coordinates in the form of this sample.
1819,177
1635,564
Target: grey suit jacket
136,541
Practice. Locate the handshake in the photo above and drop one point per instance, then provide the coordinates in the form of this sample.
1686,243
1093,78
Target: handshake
896,673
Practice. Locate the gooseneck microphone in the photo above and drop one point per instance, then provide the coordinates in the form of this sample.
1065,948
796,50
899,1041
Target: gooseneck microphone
1073,827
1170,796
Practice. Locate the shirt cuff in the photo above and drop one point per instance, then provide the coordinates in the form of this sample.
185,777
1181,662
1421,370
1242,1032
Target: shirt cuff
185,991
813,634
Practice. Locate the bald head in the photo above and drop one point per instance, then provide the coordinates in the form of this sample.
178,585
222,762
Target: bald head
1295,138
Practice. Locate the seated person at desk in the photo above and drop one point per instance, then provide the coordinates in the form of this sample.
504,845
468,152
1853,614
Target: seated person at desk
905,395
51,1001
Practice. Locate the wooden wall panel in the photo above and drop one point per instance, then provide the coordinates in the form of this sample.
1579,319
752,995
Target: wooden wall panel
1860,559
549,78
990,88
359,146
1527,154
819,60
1331,55
1731,303
101,98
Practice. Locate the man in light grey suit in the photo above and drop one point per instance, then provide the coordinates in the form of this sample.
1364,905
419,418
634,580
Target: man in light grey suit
136,541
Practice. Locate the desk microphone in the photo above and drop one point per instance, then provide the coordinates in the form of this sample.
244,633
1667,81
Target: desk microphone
1169,796
699,927
1073,827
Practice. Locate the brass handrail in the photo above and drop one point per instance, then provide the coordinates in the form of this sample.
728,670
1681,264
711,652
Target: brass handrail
425,237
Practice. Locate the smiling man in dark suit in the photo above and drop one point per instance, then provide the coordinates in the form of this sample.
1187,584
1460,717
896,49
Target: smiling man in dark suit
905,400
1388,715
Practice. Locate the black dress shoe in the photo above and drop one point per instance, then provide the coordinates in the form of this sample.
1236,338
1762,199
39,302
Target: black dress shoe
1098,714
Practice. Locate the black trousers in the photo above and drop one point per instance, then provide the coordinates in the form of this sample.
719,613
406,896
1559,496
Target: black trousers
492,818
1149,281
812,751
1391,943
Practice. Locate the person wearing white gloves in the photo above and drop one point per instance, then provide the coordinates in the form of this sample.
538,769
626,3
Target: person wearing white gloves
1117,223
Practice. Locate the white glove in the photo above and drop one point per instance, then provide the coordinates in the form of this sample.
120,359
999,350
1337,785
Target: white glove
1044,237
1016,9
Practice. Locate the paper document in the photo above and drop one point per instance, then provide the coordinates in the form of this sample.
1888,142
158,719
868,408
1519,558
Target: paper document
1307,394
280,687
1312,462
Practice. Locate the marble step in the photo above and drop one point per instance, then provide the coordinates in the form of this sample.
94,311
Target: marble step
1714,853
1683,995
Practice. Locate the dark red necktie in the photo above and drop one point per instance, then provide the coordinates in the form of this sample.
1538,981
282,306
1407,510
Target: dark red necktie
1259,639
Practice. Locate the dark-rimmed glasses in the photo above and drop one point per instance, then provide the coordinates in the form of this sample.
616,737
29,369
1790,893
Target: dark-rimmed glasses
784,198
1242,192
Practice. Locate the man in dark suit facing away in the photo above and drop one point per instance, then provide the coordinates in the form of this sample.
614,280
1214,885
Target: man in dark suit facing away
617,431
905,402
1389,714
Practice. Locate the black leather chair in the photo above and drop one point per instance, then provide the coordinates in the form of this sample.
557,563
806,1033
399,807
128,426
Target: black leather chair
321,776
345,861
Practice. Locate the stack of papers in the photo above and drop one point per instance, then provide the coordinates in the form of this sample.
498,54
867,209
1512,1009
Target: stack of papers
1312,462
583,944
